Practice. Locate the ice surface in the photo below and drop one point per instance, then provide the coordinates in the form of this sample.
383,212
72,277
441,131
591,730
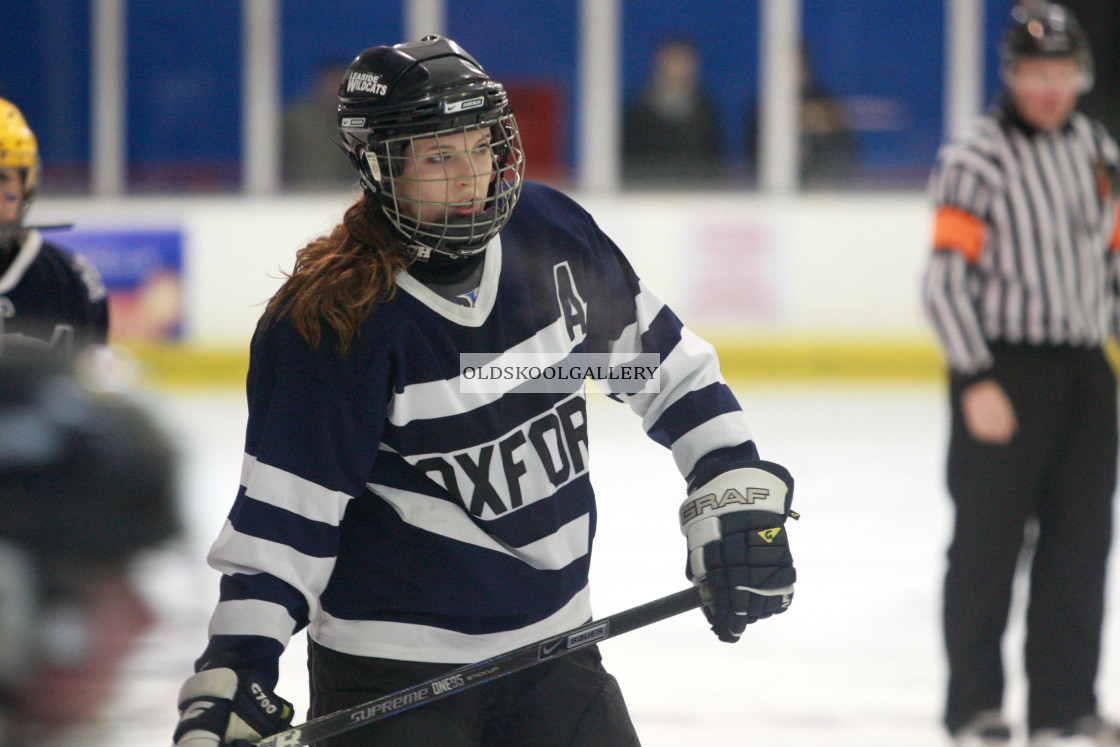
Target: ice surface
856,662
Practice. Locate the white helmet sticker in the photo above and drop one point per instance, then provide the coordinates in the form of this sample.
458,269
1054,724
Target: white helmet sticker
374,168
366,83
450,107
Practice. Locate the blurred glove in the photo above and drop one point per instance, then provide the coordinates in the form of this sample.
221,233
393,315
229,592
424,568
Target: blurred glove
738,549
217,707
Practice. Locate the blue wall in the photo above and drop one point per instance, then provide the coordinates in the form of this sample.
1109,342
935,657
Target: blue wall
310,37
184,112
44,70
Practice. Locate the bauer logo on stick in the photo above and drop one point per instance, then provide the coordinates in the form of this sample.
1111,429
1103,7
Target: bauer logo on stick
575,640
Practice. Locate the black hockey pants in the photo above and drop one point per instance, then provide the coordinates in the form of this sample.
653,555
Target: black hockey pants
1058,473
568,702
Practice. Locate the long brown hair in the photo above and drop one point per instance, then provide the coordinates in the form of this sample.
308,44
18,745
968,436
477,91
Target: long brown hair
338,278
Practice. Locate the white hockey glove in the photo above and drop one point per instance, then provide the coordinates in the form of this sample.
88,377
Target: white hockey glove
738,549
217,707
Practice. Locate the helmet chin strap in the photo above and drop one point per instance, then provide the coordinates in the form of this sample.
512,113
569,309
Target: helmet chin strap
425,253
440,267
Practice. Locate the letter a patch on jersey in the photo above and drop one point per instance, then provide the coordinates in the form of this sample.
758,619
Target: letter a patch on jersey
573,310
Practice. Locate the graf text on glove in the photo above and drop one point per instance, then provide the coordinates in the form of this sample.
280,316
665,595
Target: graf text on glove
713,501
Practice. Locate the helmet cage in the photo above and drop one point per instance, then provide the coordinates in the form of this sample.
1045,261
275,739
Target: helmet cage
437,225
390,98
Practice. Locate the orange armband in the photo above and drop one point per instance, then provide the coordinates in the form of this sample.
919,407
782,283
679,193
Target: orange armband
1114,242
959,231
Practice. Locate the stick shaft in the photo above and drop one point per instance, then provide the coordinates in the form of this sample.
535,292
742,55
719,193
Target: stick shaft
472,675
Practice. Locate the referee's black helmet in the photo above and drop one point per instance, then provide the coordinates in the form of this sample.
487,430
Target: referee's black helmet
1045,29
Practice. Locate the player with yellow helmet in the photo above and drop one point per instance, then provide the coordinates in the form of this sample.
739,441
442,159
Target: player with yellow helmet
18,151
46,293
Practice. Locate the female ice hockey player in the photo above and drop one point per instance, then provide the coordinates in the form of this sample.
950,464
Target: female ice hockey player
415,523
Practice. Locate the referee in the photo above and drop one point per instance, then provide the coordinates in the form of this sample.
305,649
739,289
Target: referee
1021,289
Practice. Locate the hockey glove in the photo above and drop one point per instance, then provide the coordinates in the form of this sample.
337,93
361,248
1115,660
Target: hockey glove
216,707
738,550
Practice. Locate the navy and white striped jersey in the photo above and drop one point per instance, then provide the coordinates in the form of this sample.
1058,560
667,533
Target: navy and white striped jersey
44,287
1025,247
399,517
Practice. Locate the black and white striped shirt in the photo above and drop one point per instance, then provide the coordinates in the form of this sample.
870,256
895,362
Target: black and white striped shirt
1025,238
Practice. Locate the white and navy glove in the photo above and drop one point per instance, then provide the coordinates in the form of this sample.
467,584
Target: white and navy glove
738,549
216,706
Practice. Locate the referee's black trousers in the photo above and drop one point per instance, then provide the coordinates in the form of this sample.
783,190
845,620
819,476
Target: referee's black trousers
1059,471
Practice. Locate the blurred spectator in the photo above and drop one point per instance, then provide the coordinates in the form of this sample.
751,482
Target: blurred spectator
86,483
670,130
827,151
312,159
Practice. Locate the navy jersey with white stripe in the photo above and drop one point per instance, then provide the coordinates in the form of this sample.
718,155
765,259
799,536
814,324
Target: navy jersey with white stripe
1045,272
45,287
399,517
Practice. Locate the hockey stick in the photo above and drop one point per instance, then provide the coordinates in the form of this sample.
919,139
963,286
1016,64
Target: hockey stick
470,675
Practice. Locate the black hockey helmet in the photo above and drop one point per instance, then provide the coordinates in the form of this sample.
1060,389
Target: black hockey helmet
391,96
87,482
84,476
1044,29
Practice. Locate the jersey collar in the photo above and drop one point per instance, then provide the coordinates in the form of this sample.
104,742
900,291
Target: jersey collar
25,255
468,316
